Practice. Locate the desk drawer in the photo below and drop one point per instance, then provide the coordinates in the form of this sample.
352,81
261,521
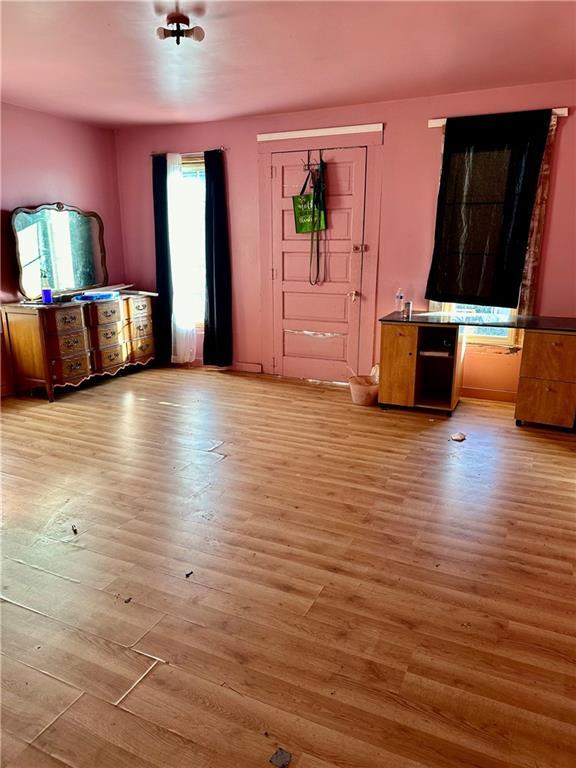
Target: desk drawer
102,312
66,344
140,327
65,320
140,348
110,357
109,335
546,402
550,356
70,368
138,306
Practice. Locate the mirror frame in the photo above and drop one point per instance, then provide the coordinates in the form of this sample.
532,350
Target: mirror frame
62,207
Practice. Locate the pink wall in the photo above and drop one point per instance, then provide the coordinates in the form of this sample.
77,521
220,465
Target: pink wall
411,172
46,159
491,373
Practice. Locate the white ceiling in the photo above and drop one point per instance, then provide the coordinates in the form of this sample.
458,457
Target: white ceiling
102,61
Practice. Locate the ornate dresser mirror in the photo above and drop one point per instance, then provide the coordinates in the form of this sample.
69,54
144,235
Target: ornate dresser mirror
61,243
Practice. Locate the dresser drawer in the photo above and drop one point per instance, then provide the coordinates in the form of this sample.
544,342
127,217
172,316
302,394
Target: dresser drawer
70,368
141,347
136,306
546,402
110,357
550,356
102,312
66,344
140,327
109,335
64,320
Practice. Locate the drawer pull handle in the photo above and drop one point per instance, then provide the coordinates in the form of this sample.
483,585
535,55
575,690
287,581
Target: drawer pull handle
113,356
67,319
109,334
74,366
142,327
140,307
109,312
69,343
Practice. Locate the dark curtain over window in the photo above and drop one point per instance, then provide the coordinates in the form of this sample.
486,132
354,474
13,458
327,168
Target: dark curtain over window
489,179
218,318
163,305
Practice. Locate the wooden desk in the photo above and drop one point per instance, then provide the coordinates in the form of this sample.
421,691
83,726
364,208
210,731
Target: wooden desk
421,364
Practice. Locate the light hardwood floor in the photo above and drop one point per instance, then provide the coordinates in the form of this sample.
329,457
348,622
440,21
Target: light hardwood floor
259,563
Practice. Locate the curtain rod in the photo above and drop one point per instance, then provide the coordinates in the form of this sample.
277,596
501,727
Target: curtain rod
440,122
189,154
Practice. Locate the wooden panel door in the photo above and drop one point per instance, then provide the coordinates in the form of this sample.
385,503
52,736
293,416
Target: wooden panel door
398,355
316,327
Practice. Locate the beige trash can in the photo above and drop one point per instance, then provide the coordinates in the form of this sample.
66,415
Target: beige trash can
364,390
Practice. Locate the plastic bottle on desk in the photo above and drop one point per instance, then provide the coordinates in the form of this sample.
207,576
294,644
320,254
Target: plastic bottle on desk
399,300
46,290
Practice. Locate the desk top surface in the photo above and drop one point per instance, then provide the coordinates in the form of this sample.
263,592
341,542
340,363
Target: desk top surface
526,322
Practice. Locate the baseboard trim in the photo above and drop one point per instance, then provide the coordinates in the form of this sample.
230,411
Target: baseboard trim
501,395
248,367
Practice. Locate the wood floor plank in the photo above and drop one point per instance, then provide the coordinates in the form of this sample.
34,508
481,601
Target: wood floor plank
93,733
31,700
323,668
86,661
75,604
190,648
346,583
10,747
496,677
35,758
531,736
184,554
214,713
435,742
72,562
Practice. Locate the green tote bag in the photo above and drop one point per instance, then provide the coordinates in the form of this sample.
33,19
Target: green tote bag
309,210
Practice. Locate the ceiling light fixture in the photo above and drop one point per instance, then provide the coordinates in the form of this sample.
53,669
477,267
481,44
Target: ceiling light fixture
179,27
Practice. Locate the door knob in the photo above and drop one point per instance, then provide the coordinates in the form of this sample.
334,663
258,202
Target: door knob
354,295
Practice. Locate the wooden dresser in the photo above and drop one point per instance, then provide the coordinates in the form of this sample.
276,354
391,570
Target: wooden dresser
55,345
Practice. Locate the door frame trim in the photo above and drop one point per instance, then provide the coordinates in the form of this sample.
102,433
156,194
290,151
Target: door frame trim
367,352
341,130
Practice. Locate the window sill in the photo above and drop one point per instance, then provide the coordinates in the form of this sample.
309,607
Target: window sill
495,347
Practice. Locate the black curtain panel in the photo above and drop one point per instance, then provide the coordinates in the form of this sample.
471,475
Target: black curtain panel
218,315
490,171
163,305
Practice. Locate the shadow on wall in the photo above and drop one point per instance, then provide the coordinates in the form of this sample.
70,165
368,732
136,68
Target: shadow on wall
9,289
9,272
